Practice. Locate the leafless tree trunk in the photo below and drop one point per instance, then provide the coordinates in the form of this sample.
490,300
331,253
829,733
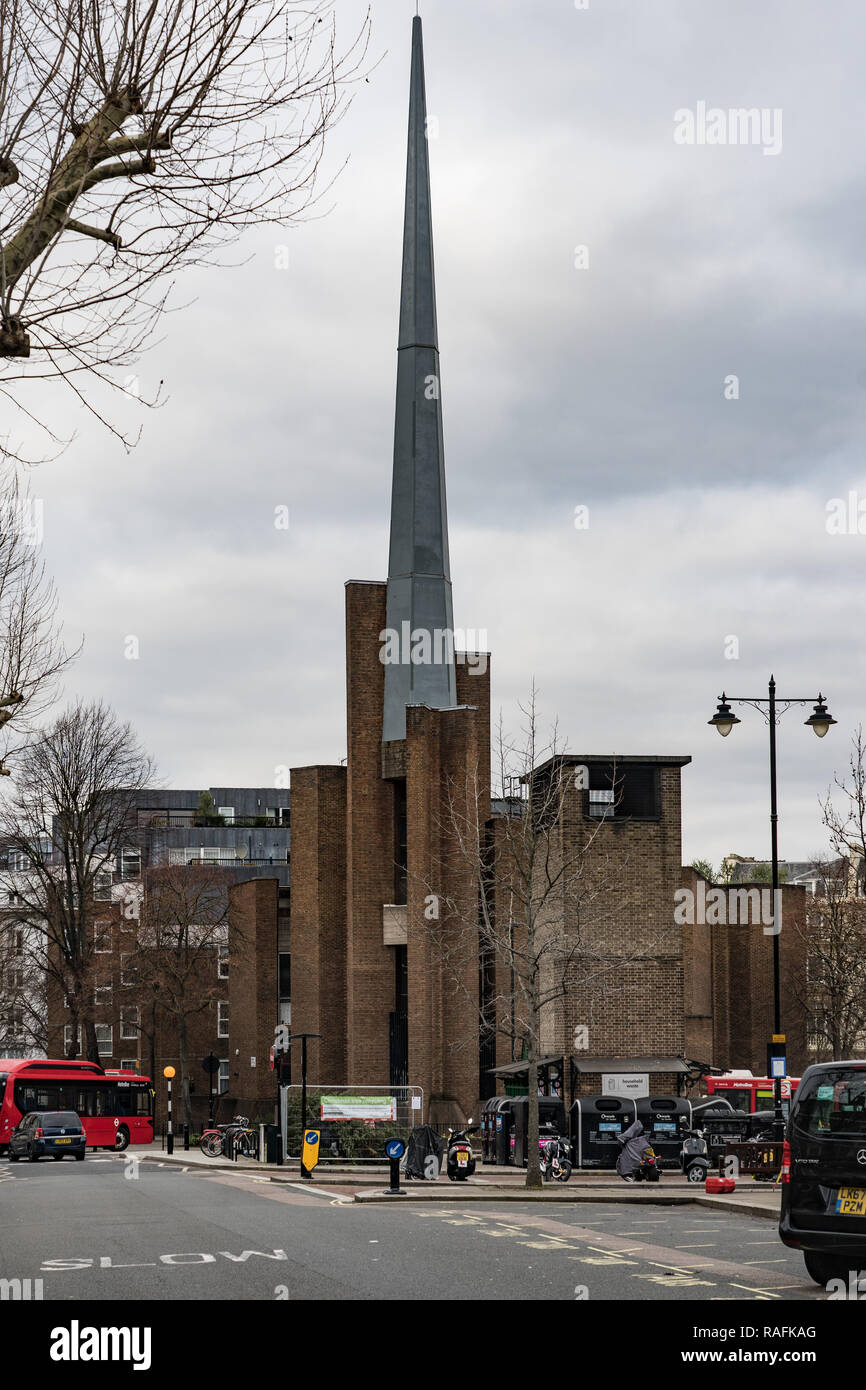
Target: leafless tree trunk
136,137
69,816
184,923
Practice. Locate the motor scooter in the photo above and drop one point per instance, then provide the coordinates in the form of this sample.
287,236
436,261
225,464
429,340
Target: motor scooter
459,1161
695,1156
555,1160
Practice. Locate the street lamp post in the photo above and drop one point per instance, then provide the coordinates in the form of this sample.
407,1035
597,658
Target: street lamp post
820,721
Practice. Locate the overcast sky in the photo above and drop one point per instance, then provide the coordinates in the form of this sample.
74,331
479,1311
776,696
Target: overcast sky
601,387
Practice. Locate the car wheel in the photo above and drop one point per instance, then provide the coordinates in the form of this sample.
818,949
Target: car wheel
822,1268
13,1157
79,1158
33,1156
121,1141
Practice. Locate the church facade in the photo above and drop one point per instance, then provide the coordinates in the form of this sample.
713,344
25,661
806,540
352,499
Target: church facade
374,842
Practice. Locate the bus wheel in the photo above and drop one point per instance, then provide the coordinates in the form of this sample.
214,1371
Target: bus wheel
121,1141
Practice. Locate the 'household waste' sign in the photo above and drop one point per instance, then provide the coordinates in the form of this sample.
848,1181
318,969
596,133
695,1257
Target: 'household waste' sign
622,1083
358,1107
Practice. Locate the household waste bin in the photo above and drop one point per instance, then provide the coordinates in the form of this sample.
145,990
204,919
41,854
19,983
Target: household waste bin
595,1123
491,1126
665,1118
551,1121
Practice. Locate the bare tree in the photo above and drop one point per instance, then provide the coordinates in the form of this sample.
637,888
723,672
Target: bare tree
65,824
23,992
32,655
135,138
845,816
183,928
539,901
832,992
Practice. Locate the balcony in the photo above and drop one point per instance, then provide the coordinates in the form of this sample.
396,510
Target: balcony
189,820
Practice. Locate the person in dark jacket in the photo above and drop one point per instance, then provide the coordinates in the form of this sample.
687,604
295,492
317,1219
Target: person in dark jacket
634,1141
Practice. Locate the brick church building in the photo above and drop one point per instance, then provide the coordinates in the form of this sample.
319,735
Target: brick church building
370,838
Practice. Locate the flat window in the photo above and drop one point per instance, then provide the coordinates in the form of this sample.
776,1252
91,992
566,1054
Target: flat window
630,791
130,864
129,1023
223,962
104,1039
102,888
102,937
285,975
223,1075
102,992
222,1019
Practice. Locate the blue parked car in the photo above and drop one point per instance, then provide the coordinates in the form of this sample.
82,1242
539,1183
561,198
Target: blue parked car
54,1132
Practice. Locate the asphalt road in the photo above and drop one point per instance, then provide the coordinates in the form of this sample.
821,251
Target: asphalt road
116,1228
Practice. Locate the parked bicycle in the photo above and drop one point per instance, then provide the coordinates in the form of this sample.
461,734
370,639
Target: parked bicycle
243,1138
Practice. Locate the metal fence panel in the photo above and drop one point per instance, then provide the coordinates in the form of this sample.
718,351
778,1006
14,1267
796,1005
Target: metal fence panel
355,1121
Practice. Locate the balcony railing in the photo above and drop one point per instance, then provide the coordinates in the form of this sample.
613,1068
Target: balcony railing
159,820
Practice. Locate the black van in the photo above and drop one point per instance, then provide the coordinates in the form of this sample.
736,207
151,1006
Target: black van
824,1171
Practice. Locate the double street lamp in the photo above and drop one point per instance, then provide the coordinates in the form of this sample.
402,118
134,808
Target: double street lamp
819,721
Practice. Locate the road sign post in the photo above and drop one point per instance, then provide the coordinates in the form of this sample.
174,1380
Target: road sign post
311,1149
394,1150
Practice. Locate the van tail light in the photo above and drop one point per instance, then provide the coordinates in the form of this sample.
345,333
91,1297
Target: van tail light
39,1133
785,1175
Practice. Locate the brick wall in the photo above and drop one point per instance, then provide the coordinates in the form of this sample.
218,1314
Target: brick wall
318,918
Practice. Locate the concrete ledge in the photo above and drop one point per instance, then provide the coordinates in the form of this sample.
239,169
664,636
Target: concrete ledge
450,1197
730,1203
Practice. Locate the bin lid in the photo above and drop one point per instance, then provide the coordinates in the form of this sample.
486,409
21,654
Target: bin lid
590,1105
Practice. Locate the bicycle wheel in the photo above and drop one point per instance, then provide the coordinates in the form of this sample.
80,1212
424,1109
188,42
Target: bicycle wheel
212,1145
243,1144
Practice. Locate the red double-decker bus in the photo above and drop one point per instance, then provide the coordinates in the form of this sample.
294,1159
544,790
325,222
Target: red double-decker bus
751,1093
115,1107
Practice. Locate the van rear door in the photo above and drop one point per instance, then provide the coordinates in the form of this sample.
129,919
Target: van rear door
828,1151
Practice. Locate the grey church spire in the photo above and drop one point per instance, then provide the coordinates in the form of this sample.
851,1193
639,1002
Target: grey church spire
419,573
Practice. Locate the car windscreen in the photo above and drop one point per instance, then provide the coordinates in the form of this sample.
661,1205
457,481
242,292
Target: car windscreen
60,1119
833,1104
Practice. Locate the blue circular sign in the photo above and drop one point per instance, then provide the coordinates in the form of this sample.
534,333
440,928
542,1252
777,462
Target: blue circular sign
395,1148
311,1137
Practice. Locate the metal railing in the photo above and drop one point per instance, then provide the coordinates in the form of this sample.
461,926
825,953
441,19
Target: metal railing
159,820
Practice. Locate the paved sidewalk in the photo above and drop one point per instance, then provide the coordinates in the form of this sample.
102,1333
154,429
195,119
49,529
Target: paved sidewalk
489,1184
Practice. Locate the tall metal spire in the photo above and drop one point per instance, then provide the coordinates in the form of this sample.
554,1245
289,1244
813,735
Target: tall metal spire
419,668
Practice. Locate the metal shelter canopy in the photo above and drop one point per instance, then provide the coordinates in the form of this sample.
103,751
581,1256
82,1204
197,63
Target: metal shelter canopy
522,1068
653,1064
